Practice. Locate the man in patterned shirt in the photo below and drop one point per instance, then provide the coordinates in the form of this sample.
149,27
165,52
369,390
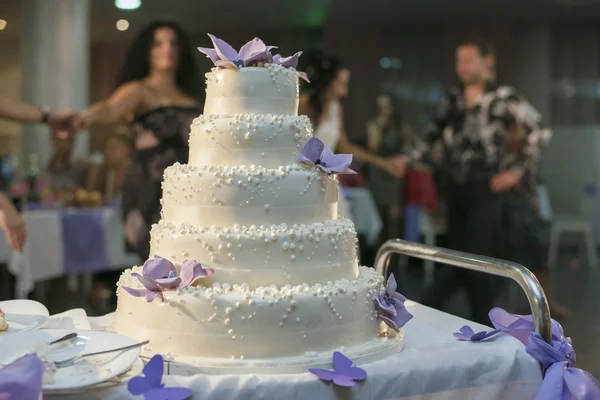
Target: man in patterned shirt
474,122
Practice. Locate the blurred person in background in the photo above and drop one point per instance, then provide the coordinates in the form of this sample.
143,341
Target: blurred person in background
108,177
12,224
387,136
474,122
320,101
159,85
521,224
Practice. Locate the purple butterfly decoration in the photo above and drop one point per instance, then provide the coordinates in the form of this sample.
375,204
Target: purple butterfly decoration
343,374
150,385
315,152
467,333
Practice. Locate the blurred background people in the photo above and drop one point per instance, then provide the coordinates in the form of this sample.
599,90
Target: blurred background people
474,122
159,85
387,136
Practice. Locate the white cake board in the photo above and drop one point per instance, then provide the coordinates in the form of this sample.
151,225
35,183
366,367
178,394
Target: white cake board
365,353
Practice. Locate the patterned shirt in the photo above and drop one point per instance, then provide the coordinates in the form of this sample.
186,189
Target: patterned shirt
475,139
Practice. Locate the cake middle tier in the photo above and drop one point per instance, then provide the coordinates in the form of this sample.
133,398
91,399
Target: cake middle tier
205,196
279,255
245,139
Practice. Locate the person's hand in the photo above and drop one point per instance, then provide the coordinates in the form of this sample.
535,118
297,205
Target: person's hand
504,181
13,226
65,123
395,166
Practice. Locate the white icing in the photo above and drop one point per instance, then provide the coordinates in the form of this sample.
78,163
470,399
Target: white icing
246,139
254,255
248,195
270,90
270,322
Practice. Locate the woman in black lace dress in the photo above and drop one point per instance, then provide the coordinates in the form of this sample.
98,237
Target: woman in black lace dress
159,87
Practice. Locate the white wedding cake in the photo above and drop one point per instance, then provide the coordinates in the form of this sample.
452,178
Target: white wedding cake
252,264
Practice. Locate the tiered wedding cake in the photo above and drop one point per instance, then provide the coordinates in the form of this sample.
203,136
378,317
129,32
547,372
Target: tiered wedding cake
279,279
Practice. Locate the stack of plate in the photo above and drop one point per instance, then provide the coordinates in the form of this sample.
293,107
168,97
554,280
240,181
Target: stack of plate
25,318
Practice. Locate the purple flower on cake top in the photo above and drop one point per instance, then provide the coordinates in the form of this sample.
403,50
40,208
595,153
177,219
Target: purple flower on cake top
255,53
160,274
390,306
315,152
343,374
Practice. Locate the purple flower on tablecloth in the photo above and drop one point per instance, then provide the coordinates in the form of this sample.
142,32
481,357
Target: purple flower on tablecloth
150,385
157,274
467,333
191,271
22,379
315,152
390,306
225,56
343,374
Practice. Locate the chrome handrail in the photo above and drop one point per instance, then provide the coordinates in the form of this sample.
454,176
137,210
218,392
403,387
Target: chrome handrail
488,265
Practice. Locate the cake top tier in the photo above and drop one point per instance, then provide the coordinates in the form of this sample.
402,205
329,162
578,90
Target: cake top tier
252,80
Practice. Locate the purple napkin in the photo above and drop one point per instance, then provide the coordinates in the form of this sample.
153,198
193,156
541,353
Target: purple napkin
22,379
84,247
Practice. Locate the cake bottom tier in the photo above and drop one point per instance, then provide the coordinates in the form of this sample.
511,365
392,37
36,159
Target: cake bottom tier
234,322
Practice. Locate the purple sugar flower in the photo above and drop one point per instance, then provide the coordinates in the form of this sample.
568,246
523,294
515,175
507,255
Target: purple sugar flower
252,54
157,274
225,56
315,152
191,271
343,374
467,333
390,306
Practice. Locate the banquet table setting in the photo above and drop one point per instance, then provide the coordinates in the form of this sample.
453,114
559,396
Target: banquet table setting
432,365
67,242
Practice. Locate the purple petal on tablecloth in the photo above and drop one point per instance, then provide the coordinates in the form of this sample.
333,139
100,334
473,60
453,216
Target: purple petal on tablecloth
22,379
83,242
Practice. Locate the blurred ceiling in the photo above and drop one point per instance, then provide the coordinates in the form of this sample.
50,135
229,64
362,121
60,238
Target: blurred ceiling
200,16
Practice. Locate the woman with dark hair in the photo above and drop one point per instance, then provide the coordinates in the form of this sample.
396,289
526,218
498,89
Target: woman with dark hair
159,87
320,101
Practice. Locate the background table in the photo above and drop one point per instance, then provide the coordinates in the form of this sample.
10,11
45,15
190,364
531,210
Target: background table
433,366
43,256
364,212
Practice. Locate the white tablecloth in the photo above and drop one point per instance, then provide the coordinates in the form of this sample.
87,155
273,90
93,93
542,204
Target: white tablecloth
42,257
433,365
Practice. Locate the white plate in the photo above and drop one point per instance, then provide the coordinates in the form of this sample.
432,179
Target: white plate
91,371
122,379
24,315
